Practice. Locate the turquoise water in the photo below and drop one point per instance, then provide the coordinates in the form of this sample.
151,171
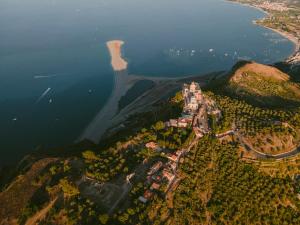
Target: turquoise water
55,72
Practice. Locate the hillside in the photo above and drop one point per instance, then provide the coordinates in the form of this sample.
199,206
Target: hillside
159,172
263,84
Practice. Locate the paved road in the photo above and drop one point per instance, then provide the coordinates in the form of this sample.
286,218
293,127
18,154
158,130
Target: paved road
262,155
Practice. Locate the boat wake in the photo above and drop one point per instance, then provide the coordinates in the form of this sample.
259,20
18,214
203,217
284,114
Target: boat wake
43,95
48,76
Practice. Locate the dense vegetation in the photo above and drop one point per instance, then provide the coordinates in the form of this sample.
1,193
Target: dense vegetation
231,191
214,184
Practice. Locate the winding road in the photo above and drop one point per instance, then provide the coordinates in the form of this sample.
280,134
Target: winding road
261,155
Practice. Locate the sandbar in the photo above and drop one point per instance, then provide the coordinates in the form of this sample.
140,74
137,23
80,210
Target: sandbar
117,62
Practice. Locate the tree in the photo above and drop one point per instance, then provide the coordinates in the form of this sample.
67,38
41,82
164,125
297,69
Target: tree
68,188
159,125
103,218
89,155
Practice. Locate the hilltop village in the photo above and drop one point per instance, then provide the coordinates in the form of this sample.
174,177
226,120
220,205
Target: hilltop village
162,176
159,174
196,109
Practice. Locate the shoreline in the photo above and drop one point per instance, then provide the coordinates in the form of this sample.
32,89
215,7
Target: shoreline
295,40
99,123
123,81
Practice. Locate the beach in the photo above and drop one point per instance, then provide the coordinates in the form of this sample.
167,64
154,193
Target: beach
117,62
288,36
122,83
295,40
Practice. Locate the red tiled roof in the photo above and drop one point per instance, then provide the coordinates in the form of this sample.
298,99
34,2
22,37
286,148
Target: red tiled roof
155,186
148,194
152,145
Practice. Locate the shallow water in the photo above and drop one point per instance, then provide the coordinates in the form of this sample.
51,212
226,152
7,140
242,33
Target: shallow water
61,45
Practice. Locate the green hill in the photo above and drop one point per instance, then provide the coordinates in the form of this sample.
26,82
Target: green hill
262,84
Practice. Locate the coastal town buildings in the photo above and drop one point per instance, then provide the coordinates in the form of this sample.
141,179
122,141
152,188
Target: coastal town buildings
196,112
197,108
161,176
275,6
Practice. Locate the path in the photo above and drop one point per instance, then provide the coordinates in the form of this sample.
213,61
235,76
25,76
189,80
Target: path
35,219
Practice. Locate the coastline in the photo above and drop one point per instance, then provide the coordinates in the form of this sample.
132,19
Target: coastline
295,40
122,82
288,36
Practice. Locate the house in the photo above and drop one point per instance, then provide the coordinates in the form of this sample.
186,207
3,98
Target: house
182,122
142,199
155,168
148,194
146,197
173,123
152,145
169,176
173,157
155,186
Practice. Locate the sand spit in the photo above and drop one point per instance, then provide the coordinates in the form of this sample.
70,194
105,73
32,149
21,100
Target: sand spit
122,83
103,119
109,115
117,62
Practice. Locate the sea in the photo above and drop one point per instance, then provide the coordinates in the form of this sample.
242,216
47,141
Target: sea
55,72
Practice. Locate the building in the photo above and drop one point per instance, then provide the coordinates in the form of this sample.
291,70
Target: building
173,123
183,122
192,96
155,186
156,178
155,168
196,111
146,197
173,157
169,176
142,199
154,146
148,194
